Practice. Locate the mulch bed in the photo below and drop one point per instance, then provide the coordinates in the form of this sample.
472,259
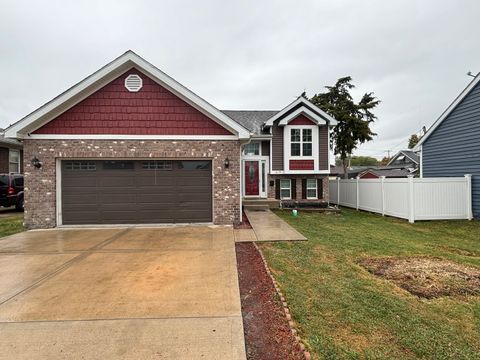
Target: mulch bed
245,224
426,277
267,333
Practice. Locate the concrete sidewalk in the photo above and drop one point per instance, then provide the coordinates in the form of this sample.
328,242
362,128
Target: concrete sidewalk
123,293
269,227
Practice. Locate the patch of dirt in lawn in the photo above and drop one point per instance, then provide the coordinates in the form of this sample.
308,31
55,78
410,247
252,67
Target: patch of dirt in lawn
459,251
426,277
267,333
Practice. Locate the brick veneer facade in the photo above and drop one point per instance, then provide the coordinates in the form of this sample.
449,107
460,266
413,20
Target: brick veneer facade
40,184
298,179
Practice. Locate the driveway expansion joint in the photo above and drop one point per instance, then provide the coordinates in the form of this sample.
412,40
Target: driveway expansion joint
65,266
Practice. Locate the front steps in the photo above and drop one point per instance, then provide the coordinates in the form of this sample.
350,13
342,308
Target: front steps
260,204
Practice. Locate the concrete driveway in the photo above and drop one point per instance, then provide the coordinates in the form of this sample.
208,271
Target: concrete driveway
129,293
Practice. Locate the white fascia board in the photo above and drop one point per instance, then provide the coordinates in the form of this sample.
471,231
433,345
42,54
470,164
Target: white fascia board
92,83
300,100
128,137
447,112
308,113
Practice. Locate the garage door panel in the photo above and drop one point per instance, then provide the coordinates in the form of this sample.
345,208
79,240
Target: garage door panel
86,180
79,199
158,199
117,181
84,216
186,216
116,199
157,216
159,179
137,195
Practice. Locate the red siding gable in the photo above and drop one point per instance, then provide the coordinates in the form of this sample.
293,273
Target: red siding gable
114,110
301,164
301,120
368,175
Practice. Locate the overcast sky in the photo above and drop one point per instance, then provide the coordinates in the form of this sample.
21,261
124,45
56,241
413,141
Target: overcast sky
251,54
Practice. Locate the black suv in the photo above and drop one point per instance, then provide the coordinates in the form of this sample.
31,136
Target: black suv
11,190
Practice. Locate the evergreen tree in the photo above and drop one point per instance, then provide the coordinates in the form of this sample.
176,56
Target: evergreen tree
354,119
413,141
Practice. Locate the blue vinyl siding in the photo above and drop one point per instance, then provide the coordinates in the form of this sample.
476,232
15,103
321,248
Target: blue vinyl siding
453,149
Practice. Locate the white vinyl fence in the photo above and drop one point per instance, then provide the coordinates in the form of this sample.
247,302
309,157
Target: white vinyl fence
407,198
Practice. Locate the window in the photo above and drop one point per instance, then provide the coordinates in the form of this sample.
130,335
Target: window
252,148
4,180
301,142
194,165
80,165
14,161
285,189
311,188
118,165
157,165
18,181
263,176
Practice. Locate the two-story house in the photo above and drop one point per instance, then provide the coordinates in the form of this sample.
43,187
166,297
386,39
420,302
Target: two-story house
130,145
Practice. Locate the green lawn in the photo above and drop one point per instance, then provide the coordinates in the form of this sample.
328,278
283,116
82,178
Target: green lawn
344,312
11,224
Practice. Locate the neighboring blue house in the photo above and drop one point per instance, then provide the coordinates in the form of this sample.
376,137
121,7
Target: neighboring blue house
451,147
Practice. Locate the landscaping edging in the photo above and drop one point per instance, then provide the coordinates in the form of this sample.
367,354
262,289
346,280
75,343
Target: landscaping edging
288,315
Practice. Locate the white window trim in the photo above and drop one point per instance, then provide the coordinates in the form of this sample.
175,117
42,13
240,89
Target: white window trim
301,142
307,188
287,145
289,189
10,162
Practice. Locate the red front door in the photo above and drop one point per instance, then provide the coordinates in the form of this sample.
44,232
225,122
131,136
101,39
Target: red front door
251,178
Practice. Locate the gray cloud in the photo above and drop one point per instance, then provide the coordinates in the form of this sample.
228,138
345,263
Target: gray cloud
251,54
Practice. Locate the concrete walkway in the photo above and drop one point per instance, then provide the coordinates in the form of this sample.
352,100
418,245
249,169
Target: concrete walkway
269,227
131,293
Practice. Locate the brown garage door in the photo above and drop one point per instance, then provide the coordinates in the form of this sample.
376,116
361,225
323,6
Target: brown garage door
136,192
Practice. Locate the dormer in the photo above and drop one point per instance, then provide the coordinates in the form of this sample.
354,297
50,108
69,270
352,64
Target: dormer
300,139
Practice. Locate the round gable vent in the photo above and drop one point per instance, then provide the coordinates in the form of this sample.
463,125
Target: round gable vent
133,83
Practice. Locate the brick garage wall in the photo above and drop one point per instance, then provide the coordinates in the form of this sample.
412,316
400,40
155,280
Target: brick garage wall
298,178
40,184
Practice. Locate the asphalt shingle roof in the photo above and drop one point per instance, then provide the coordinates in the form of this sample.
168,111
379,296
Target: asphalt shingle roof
251,119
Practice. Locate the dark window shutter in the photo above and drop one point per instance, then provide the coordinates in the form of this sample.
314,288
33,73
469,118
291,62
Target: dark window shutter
304,188
320,188
294,188
277,189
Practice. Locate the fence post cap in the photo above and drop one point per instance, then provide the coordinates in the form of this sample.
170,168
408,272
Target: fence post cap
468,175
383,177
410,176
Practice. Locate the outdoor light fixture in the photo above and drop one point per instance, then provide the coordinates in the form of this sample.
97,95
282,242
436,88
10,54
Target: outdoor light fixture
36,163
226,163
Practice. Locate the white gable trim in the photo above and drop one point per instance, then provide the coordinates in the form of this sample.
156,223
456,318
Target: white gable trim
308,104
109,72
308,113
447,112
401,152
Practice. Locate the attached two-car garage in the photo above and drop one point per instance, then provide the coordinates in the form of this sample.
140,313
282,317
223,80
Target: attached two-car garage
136,191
